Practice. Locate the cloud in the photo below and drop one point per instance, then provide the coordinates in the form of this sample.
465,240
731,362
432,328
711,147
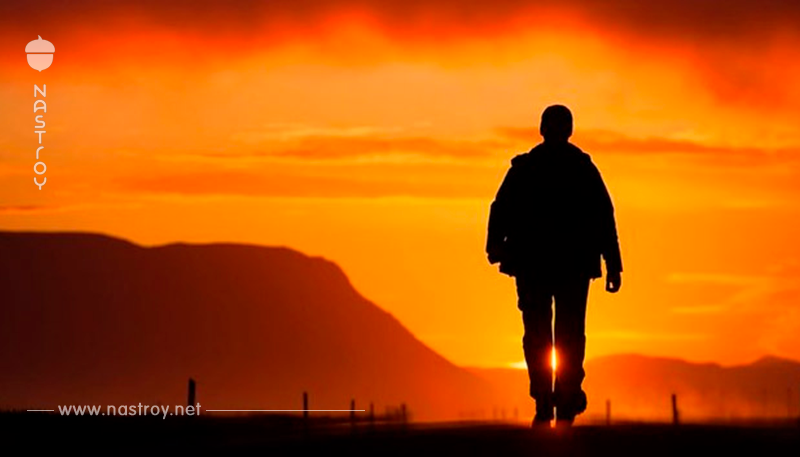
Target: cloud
29,209
633,335
361,182
324,143
684,19
288,131
699,309
750,292
358,143
743,51
363,143
606,141
718,278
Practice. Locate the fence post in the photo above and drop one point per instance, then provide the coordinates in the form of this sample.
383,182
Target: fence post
372,414
353,413
305,409
675,415
608,412
192,391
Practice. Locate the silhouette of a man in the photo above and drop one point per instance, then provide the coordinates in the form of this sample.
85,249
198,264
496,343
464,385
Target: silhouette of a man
549,226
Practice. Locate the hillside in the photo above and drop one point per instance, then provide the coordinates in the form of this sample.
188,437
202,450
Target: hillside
91,319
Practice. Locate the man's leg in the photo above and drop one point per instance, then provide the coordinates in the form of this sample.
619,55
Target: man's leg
570,337
535,302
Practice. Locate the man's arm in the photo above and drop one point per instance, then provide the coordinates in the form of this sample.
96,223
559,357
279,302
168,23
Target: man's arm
609,240
498,218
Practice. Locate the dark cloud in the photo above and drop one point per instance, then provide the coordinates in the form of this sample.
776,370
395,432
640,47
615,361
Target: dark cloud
604,141
325,147
305,184
680,19
27,209
508,140
728,42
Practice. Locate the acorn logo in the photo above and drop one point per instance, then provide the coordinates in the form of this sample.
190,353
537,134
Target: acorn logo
40,54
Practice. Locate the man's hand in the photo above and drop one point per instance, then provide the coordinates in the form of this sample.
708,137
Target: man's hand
613,282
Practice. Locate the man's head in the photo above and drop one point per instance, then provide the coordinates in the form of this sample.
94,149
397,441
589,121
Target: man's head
556,123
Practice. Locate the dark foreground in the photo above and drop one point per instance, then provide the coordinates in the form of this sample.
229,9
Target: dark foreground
35,434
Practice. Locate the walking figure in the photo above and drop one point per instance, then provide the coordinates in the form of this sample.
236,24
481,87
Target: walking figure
550,224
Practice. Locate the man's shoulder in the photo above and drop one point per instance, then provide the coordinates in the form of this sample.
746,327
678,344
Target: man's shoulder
528,158
543,152
578,153
521,159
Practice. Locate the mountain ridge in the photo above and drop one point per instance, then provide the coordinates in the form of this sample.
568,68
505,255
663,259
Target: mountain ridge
94,319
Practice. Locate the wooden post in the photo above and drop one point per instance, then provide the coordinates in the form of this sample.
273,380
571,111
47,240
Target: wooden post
403,414
305,406
675,416
353,413
192,391
371,414
608,412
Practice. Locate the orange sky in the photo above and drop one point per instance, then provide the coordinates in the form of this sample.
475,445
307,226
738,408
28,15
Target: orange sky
375,134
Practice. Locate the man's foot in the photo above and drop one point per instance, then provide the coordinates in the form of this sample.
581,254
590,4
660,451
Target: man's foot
544,413
540,422
562,423
569,407
564,418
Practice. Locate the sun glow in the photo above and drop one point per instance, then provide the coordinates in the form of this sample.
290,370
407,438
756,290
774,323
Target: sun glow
217,148
553,359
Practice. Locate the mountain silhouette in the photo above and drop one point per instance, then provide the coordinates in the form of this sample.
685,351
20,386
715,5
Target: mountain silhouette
91,319
640,387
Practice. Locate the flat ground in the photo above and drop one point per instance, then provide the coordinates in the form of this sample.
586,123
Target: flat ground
35,434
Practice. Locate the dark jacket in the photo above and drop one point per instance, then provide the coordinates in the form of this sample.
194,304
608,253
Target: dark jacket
553,215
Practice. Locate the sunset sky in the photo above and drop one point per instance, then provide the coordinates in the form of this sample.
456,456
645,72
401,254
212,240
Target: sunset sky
375,134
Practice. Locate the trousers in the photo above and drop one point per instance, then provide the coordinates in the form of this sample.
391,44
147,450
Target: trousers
539,296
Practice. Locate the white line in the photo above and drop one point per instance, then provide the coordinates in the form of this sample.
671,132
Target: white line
255,410
285,410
